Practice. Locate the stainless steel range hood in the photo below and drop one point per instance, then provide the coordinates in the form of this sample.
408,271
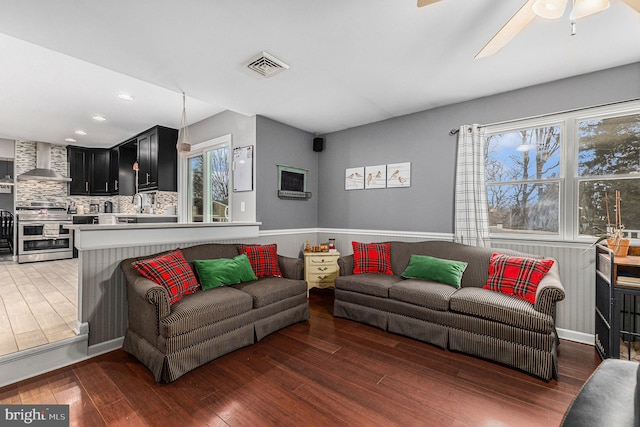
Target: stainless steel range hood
43,169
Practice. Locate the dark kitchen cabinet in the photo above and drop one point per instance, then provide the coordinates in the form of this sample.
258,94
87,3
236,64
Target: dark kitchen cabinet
127,156
78,159
114,164
99,172
157,159
90,171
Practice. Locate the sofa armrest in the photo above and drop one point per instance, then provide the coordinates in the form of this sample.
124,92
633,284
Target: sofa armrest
549,292
346,265
291,268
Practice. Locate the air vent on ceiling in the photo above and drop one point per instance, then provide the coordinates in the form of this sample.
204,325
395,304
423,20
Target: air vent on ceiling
267,65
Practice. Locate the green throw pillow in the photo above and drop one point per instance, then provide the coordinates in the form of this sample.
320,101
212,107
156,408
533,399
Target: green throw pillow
224,271
436,269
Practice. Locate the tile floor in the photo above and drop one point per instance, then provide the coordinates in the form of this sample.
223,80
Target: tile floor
38,303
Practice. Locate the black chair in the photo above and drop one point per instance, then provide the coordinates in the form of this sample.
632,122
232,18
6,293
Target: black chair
6,228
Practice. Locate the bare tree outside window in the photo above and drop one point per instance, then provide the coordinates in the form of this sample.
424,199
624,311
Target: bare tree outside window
522,173
220,184
208,175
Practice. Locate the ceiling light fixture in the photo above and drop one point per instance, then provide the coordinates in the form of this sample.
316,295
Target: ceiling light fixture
183,145
125,96
582,8
70,140
80,132
550,9
99,118
554,9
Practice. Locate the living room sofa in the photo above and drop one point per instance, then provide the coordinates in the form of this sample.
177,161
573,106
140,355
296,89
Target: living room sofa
469,319
172,339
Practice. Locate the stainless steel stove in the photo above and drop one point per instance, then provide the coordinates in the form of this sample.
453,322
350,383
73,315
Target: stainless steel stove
41,232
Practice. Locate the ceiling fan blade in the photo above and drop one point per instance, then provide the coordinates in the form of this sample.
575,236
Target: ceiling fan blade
634,4
426,2
516,24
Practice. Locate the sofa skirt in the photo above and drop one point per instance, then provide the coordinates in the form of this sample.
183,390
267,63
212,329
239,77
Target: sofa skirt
529,351
171,366
361,313
282,319
543,364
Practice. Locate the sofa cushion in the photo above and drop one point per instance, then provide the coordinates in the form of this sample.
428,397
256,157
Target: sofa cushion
422,292
500,308
435,269
270,289
204,308
475,274
224,271
517,276
367,283
171,271
371,258
263,259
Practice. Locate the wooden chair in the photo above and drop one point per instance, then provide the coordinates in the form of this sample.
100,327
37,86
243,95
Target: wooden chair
6,228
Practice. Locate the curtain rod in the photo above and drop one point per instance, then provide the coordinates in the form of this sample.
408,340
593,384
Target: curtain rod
455,131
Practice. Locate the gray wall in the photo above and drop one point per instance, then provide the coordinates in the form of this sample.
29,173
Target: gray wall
423,139
276,144
243,133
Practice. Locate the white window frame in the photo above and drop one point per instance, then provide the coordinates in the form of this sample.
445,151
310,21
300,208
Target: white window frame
569,179
183,178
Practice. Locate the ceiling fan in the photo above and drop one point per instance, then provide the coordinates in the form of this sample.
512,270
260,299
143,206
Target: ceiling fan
550,9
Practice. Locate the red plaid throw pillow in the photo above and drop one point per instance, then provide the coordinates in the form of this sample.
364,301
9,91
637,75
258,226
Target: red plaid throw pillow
172,271
371,258
263,259
517,276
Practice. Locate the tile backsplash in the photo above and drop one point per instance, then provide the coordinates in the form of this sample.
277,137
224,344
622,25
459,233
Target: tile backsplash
53,191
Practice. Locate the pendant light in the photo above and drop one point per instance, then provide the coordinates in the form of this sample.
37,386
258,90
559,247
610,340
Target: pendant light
183,145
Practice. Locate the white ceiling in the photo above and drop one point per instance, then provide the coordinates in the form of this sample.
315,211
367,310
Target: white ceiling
352,61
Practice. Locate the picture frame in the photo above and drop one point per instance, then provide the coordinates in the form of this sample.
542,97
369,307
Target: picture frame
354,178
399,175
375,177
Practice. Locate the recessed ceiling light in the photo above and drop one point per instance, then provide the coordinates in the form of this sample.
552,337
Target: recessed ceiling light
126,96
70,140
80,132
99,118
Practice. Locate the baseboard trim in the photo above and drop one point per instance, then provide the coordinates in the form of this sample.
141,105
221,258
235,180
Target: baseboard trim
576,336
42,359
105,347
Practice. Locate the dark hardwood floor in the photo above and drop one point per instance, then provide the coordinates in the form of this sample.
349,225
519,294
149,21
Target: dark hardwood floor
325,372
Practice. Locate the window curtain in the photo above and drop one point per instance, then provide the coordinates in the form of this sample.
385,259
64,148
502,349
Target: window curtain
471,208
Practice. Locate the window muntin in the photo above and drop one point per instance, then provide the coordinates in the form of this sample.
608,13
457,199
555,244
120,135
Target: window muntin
523,169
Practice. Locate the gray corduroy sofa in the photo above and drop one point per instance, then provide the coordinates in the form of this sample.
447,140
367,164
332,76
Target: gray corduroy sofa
172,340
471,320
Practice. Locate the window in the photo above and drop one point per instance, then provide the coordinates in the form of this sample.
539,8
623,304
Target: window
609,161
207,169
523,180
555,177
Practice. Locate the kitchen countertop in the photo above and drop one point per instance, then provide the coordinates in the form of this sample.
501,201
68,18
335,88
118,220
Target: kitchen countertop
142,215
101,236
